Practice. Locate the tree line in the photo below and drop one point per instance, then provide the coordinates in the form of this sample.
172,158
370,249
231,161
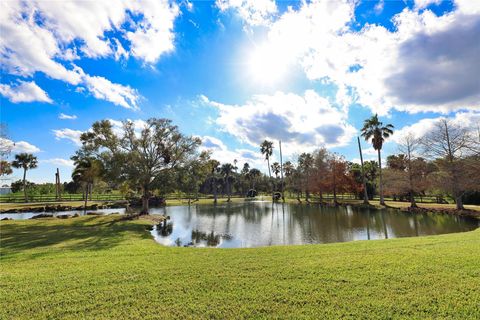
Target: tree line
158,159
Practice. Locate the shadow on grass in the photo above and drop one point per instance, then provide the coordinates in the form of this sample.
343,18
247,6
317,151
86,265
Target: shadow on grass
86,233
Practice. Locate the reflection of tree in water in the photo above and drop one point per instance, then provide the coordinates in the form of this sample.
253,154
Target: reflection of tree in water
211,239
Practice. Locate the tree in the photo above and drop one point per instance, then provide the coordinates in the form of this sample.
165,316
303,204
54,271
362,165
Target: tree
25,161
266,148
305,164
86,172
245,177
409,146
5,168
456,150
374,130
226,170
191,175
254,174
138,155
321,167
276,169
212,165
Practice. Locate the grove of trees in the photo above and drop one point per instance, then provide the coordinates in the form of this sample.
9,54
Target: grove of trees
157,159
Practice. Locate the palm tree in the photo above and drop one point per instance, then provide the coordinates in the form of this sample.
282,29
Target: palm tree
276,169
266,148
227,170
374,130
213,166
86,171
244,175
254,174
305,164
26,161
288,168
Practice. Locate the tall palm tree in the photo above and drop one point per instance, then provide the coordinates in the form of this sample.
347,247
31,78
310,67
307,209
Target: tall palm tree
373,130
266,148
25,161
227,170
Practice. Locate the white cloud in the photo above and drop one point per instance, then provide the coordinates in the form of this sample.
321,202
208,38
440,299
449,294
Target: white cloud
421,4
300,122
469,120
221,153
64,116
69,134
428,63
24,92
154,35
253,12
102,88
59,162
46,36
19,146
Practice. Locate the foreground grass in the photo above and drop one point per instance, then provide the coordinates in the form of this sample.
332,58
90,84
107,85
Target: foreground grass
98,267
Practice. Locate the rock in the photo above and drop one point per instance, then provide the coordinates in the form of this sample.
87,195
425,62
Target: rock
94,214
63,216
5,219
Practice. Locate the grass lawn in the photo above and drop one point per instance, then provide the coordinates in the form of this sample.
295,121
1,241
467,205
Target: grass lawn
98,267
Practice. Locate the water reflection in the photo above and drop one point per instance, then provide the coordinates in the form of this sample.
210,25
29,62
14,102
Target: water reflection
255,224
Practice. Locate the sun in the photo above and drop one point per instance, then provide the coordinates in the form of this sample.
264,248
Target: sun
266,65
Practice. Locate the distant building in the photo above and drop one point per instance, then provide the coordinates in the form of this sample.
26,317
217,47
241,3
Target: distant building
5,189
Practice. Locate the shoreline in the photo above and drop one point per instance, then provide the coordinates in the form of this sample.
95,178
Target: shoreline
472,211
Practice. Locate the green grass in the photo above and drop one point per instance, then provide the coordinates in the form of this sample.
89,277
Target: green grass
99,267
9,206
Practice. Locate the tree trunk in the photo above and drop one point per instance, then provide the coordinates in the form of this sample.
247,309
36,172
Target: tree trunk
365,195
459,201
86,199
281,171
228,189
25,184
307,192
145,198
382,201
214,184
270,177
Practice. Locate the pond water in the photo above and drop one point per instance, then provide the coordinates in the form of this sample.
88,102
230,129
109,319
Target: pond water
261,223
254,224
29,215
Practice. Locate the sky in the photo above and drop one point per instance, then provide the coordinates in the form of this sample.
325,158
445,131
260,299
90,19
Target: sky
235,72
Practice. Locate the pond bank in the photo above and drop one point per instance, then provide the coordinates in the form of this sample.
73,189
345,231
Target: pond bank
470,210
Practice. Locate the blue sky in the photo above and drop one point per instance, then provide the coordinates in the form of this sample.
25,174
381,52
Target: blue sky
235,72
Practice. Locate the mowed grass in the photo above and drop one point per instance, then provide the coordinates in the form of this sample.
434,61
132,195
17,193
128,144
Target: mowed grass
101,267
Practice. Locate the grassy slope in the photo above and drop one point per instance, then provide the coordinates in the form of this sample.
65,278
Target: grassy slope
96,267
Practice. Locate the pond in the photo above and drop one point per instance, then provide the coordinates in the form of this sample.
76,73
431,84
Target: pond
261,223
254,224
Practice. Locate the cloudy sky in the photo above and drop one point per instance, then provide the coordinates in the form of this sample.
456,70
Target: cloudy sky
235,72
